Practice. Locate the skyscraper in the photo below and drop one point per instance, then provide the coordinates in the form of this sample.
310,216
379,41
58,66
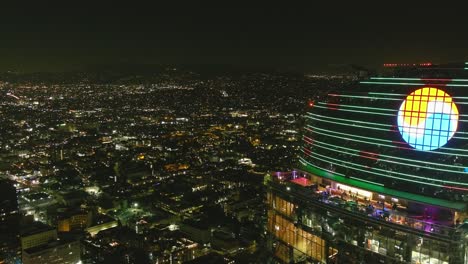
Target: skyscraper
59,251
9,220
40,243
383,173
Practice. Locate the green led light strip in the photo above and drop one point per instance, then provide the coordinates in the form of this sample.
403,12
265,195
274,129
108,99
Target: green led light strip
404,164
349,135
391,157
391,83
334,173
304,161
316,170
377,169
378,93
414,84
383,170
384,145
349,120
374,113
390,94
367,170
323,119
333,122
355,111
383,98
378,98
405,95
418,79
363,122
366,97
361,107
382,140
394,162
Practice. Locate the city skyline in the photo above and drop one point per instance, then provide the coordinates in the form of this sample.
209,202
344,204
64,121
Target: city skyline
263,133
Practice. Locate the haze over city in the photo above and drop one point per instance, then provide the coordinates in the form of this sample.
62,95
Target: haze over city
288,36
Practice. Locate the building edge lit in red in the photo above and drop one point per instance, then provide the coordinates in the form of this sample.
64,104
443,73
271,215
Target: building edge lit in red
360,193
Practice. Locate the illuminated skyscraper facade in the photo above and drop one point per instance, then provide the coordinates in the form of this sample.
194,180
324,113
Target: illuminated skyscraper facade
383,173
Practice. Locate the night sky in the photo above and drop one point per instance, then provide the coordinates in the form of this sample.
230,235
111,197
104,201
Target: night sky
290,36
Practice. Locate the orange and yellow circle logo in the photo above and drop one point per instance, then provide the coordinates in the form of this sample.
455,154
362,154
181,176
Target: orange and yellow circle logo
428,118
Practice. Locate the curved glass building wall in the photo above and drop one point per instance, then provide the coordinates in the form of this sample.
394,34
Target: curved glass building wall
383,174
408,134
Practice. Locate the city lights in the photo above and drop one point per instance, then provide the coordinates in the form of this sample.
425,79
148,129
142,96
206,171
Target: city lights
264,133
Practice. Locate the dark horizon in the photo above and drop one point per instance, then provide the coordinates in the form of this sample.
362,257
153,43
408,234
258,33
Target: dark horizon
291,37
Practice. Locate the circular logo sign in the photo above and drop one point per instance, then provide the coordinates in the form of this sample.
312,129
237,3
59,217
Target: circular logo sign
428,118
